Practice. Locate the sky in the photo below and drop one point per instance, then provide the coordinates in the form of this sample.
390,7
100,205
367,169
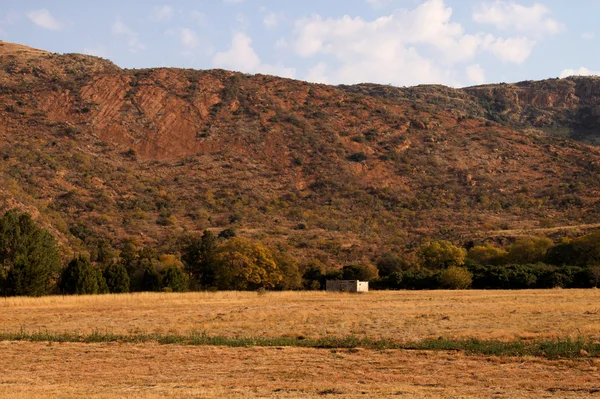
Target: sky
400,42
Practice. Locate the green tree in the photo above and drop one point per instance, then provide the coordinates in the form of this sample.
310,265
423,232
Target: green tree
198,255
288,266
441,255
243,264
28,255
391,263
364,272
152,280
456,278
175,279
80,278
313,276
116,278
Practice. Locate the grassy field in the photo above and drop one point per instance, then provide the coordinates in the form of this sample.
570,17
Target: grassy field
398,315
268,366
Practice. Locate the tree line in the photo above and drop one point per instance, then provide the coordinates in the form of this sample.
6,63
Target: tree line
530,262
30,264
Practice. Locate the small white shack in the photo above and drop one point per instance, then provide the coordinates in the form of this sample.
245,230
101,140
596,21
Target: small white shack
347,286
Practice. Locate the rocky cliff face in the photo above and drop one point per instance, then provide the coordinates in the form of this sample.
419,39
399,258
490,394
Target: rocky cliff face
568,106
343,173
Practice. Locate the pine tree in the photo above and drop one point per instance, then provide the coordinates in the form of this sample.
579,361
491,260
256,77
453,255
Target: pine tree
80,278
29,255
199,257
175,279
117,278
152,280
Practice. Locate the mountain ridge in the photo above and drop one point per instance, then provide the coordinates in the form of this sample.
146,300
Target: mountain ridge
337,173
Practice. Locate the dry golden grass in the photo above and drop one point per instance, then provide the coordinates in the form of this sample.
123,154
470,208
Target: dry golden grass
37,370
399,315
150,370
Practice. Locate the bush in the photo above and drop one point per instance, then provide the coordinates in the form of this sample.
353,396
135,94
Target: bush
358,157
418,279
227,234
456,278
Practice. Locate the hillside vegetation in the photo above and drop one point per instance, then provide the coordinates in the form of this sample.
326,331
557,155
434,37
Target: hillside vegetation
106,157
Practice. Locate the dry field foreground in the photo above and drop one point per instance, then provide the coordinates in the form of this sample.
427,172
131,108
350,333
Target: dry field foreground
41,370
398,315
150,370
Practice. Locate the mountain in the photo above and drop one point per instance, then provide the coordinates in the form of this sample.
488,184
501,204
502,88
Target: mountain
100,154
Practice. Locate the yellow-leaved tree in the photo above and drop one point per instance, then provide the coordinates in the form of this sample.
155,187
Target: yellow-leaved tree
441,255
242,264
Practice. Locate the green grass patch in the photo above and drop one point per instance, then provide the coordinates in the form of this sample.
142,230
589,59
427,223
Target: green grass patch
551,349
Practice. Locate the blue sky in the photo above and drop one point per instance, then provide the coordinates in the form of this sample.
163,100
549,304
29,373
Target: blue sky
400,42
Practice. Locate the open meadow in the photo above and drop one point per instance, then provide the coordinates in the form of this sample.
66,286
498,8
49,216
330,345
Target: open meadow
152,368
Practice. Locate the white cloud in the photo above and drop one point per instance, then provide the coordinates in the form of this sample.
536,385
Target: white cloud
188,38
44,19
475,74
272,19
191,43
408,47
318,73
583,71
511,16
162,13
119,28
242,57
515,50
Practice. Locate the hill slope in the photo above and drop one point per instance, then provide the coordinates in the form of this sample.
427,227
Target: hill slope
102,154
